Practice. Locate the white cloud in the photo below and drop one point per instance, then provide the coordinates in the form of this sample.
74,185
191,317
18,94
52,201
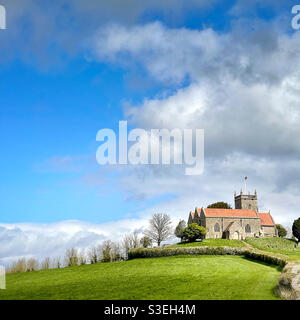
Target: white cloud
53,239
263,55
243,90
45,34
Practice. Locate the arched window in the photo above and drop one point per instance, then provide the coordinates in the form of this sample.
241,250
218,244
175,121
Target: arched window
248,228
217,227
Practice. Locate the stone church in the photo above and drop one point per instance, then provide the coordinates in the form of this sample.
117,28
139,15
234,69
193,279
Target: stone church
239,223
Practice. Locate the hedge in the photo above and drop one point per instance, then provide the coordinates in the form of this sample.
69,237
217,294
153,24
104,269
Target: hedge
166,252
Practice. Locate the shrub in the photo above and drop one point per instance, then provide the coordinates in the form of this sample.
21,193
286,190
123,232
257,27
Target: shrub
194,232
146,242
296,229
179,230
166,252
281,231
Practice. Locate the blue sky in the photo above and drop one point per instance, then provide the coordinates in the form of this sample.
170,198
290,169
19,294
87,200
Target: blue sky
56,113
62,80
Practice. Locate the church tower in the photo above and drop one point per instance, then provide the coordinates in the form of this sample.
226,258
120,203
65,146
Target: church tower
246,201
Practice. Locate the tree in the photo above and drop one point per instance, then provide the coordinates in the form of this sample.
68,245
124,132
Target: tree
32,264
115,254
194,232
93,255
159,228
146,242
81,258
106,251
57,263
130,241
296,229
281,231
220,205
71,257
18,266
45,264
180,229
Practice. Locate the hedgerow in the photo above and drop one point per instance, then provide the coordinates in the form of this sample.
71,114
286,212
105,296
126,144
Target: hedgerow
166,252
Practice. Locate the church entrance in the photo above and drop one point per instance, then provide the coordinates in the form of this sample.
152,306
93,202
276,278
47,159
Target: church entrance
225,235
235,235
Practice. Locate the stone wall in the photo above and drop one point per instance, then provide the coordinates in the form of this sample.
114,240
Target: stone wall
224,222
269,231
289,282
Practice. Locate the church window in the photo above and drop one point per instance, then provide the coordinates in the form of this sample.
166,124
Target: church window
248,228
217,227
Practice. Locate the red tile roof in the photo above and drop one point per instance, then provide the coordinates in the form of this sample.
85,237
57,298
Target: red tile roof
236,213
266,219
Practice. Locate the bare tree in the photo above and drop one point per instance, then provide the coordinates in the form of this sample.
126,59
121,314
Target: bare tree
45,264
106,251
71,258
32,264
57,263
130,241
135,240
93,255
17,266
160,228
82,258
115,252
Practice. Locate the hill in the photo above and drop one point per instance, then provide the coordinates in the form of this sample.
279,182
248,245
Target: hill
180,277
287,247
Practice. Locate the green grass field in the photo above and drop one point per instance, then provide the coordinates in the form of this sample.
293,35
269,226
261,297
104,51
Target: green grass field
211,243
180,277
276,245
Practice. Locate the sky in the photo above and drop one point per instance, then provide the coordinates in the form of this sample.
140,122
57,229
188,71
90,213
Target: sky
71,68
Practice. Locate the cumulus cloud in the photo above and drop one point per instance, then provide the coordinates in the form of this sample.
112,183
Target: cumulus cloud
48,34
244,93
243,89
262,55
41,240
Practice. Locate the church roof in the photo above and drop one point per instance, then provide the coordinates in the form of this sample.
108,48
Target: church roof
266,219
236,213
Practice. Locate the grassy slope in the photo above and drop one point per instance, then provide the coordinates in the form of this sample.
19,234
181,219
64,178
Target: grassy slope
211,243
181,277
276,245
